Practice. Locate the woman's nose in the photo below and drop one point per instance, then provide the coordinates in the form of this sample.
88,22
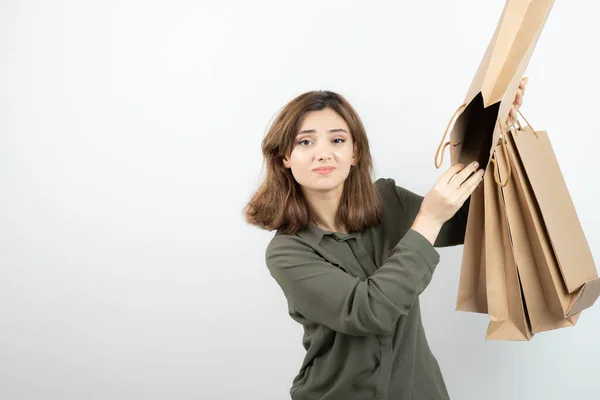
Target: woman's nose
323,151
324,154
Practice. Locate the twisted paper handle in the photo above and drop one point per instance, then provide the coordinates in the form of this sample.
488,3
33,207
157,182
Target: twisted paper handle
505,151
443,149
516,120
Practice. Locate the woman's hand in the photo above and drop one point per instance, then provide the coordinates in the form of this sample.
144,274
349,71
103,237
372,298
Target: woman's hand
446,197
518,102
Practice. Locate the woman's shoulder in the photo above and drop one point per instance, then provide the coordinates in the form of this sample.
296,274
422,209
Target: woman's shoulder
282,239
288,249
385,184
394,194
388,191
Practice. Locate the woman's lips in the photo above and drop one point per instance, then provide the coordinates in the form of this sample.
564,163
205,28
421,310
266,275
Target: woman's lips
324,170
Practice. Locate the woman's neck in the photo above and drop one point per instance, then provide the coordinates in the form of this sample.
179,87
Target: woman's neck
325,206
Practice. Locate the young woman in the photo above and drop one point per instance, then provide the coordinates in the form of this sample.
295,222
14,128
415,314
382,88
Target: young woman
351,255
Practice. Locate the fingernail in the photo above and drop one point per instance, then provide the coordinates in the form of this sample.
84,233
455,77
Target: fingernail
475,164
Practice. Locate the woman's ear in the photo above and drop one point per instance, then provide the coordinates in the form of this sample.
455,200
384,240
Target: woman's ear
286,162
354,154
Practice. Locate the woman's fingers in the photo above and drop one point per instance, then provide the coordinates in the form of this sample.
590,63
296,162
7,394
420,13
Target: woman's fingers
468,187
471,187
523,85
519,97
462,176
450,172
518,102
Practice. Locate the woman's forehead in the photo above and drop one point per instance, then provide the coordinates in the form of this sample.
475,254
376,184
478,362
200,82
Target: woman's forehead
326,119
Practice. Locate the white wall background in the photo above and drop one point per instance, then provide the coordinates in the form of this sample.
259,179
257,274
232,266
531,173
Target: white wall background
130,141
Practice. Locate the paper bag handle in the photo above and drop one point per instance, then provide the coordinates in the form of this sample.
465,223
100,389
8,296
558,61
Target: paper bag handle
443,149
516,120
503,140
504,150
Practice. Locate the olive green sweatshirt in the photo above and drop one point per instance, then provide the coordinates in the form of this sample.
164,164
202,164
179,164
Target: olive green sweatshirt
357,297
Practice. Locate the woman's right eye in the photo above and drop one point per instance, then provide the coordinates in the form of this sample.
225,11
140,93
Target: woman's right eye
304,142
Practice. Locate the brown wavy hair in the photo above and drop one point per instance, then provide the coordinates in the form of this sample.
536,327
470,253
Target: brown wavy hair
279,203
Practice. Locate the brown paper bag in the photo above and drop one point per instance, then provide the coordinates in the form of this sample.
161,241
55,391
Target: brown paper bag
505,302
527,251
568,275
491,93
472,295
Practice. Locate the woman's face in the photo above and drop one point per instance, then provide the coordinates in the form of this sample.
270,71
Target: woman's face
323,152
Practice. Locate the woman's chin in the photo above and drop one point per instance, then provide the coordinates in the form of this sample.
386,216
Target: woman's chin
324,185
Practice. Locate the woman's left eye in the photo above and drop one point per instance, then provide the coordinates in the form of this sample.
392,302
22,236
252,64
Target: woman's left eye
340,140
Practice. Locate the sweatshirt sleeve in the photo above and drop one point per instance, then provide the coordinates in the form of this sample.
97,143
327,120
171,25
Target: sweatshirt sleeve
327,295
452,232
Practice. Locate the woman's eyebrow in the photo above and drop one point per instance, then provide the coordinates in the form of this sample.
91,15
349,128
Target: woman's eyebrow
330,131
